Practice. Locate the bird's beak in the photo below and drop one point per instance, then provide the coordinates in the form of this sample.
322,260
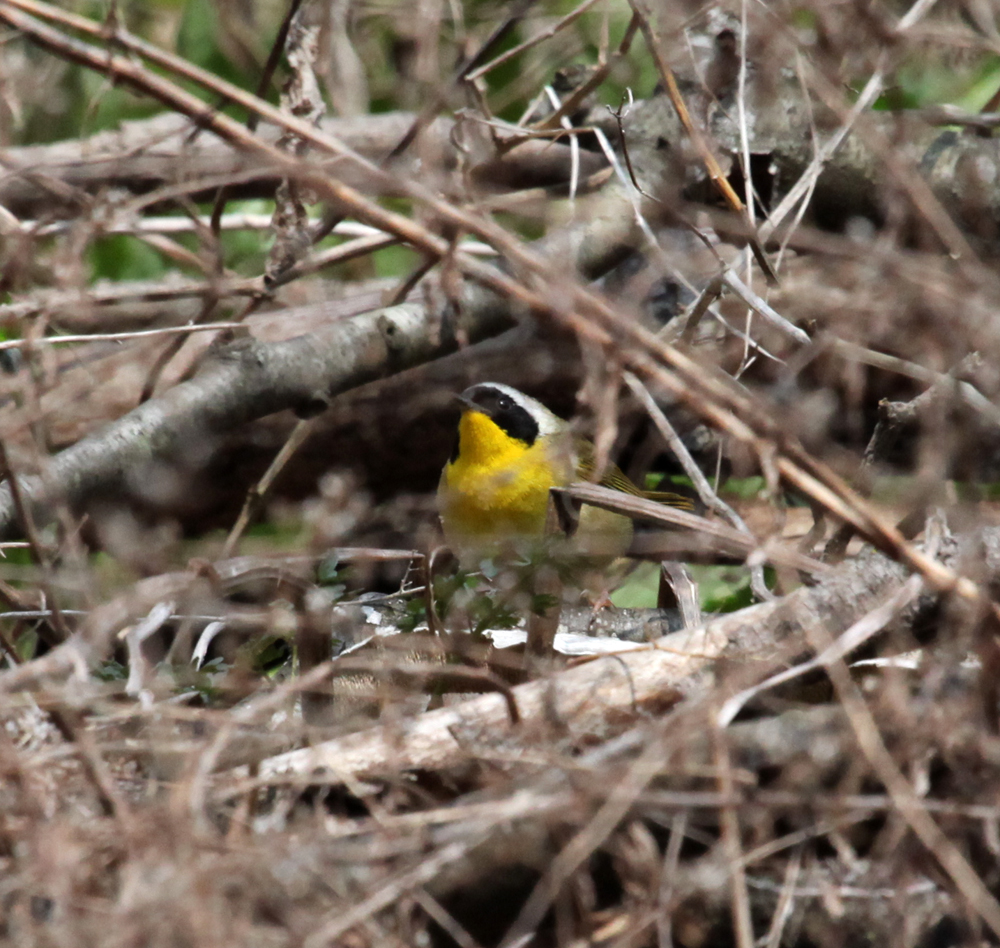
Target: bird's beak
467,404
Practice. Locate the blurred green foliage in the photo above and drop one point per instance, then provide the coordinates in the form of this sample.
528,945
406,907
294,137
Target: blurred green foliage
110,670
122,257
720,588
723,588
639,591
197,40
394,261
969,85
743,488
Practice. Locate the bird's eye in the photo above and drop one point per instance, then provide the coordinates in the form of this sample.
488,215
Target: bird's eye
503,403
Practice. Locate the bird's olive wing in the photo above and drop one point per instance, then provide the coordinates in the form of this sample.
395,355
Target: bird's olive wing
616,480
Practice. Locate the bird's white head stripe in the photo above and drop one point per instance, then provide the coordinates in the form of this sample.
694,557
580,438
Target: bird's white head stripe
548,423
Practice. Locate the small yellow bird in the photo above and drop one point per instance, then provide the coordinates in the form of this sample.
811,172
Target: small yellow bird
494,491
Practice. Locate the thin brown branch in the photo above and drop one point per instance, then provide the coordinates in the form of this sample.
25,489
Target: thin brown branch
906,801
259,491
22,510
715,173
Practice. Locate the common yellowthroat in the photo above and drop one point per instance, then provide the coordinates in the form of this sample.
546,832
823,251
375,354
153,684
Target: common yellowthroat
494,491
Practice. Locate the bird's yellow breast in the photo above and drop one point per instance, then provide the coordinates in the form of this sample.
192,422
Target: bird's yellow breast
496,490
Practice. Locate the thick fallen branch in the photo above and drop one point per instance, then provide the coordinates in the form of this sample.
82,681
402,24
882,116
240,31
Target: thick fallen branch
601,698
244,381
780,125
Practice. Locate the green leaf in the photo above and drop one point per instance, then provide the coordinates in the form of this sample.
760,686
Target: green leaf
328,571
110,670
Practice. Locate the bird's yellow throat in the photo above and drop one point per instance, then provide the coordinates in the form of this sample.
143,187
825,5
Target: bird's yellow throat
497,486
485,445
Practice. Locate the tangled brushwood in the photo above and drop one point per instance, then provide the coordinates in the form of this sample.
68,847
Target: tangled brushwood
737,261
